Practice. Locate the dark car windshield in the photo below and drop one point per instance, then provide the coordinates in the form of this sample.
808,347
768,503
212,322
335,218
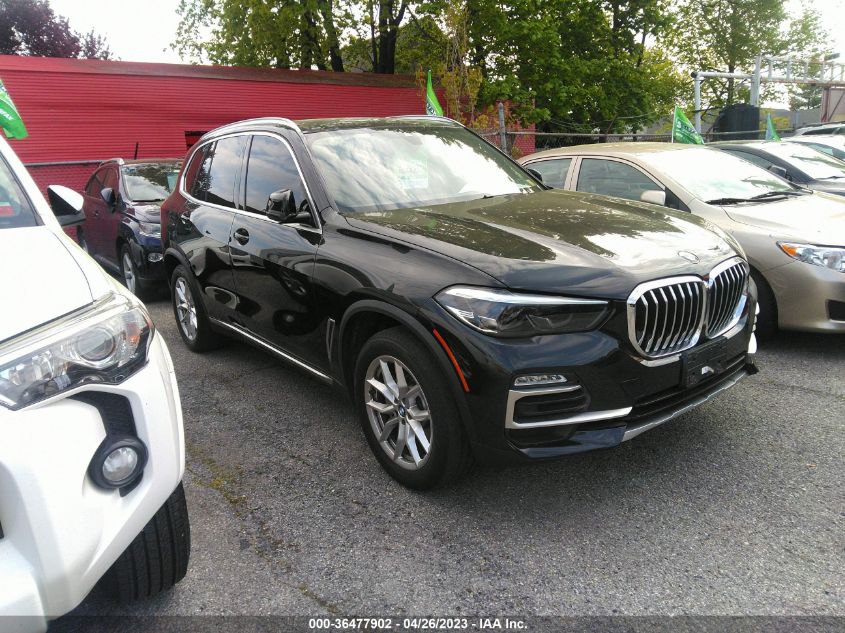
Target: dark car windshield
15,208
396,167
150,182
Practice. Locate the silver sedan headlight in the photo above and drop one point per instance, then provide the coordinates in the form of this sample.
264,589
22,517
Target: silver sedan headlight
104,343
832,257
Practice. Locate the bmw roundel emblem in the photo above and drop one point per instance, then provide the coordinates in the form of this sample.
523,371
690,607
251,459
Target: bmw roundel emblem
690,257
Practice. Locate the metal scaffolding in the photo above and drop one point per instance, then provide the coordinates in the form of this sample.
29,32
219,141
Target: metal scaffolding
784,70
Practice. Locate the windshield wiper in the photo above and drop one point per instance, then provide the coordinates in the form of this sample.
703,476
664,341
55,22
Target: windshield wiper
721,201
772,194
153,200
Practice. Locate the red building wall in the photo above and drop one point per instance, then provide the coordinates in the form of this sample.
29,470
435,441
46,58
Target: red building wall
91,110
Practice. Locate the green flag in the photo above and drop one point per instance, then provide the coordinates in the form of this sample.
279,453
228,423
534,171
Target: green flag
771,132
432,105
683,131
10,120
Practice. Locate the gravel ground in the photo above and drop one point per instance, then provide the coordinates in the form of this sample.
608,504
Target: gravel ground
736,508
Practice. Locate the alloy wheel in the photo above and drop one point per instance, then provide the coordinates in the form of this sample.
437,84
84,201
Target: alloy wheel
186,309
398,412
129,273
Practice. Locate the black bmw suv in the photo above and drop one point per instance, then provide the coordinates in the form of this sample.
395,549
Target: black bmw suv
469,311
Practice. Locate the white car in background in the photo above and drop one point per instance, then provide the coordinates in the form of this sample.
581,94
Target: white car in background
794,238
832,145
91,438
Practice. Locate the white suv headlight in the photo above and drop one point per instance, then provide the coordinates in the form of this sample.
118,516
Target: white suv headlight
104,343
832,257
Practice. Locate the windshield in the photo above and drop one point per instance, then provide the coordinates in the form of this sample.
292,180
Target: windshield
150,182
15,208
815,164
709,174
398,167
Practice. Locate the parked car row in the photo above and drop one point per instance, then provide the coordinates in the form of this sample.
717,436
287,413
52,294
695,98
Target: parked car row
472,309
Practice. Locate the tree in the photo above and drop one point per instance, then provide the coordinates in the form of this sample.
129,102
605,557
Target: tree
93,46
270,33
727,35
574,64
29,27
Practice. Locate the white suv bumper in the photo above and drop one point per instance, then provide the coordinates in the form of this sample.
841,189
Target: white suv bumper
61,532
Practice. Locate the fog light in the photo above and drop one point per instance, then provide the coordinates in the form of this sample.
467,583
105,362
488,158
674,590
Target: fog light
539,380
155,257
118,462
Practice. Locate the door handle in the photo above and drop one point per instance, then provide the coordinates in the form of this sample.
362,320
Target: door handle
242,236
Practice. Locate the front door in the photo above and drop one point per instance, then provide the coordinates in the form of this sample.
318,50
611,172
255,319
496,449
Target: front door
273,262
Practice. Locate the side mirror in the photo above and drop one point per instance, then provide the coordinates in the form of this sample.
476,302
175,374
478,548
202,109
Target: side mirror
777,170
281,207
535,173
66,204
654,196
108,197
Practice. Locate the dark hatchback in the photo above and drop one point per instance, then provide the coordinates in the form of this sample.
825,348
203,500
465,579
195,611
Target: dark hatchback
468,311
796,162
122,229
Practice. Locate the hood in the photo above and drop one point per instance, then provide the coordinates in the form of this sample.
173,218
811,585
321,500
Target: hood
41,279
836,187
559,241
147,212
817,218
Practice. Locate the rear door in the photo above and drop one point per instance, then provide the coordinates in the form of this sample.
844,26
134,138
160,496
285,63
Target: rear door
273,262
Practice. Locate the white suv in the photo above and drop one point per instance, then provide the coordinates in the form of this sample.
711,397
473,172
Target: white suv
91,439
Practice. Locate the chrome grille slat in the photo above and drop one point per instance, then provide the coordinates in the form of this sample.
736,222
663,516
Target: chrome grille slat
725,293
670,315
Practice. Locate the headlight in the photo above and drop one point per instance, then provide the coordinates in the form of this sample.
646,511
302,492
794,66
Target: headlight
503,313
832,257
105,343
150,229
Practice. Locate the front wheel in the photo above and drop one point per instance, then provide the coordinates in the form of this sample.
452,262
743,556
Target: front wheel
407,413
158,557
193,322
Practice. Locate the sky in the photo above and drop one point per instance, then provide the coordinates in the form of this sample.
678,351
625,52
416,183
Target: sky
142,31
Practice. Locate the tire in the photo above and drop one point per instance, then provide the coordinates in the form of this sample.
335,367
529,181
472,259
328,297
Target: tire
767,320
448,454
158,557
129,274
185,298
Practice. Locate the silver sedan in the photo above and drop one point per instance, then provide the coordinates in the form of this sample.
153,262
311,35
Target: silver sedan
794,238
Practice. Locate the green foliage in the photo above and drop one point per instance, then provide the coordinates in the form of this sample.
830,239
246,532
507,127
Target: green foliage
575,64
718,35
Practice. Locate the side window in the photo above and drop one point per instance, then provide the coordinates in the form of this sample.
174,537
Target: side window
553,171
611,178
753,158
109,178
193,169
270,168
95,183
216,177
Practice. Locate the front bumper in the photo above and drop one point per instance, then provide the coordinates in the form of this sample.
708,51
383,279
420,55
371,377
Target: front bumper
149,260
620,394
61,533
808,297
